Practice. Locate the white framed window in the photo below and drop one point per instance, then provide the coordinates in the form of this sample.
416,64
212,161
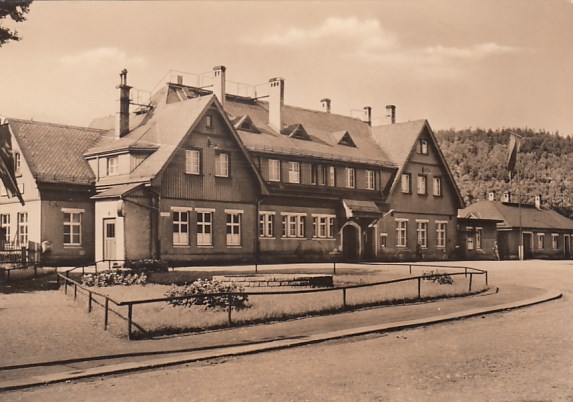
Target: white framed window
293,225
470,243
72,228
422,187
331,176
322,175
266,224
222,164
405,183
112,166
479,234
422,232
401,232
274,170
234,228
437,185
424,147
540,241
313,174
555,241
294,172
441,233
204,228
350,177
17,163
323,226
5,225
209,121
192,161
180,228
22,228
370,180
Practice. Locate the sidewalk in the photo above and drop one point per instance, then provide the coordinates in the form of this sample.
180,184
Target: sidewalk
71,348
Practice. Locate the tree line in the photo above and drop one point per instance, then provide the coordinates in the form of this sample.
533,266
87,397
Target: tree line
478,160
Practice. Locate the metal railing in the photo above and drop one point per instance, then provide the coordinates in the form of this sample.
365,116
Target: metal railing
230,296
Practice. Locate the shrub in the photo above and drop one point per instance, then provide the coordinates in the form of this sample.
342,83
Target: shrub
147,265
114,278
204,287
438,277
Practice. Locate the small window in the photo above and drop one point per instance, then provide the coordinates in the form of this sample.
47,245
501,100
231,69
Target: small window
22,229
383,240
540,241
204,228
209,121
266,224
233,229
17,163
331,176
424,147
192,161
180,228
222,165
401,233
437,187
422,190
274,170
405,183
313,174
350,177
479,232
422,231
441,228
5,225
555,241
72,228
370,180
294,172
112,166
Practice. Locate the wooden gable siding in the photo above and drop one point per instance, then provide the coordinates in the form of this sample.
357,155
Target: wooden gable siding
431,166
240,186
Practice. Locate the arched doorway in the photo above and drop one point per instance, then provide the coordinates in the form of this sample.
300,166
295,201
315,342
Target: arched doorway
351,247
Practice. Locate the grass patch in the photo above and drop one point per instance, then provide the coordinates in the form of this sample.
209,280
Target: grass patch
161,318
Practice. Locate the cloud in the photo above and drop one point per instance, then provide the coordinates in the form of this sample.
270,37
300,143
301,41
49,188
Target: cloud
367,40
366,34
102,55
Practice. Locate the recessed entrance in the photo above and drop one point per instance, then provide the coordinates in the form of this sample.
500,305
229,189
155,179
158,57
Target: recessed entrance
351,242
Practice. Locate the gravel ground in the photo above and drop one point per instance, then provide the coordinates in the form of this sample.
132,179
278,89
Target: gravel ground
515,356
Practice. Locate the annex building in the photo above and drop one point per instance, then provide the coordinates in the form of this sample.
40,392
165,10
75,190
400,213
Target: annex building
200,175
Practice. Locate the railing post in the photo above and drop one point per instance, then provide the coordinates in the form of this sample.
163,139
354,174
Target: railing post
471,277
334,268
419,288
105,314
229,300
129,315
66,287
57,279
75,291
410,268
465,272
89,302
83,270
344,297
486,281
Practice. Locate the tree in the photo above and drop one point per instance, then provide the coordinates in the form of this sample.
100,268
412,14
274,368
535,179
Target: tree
16,10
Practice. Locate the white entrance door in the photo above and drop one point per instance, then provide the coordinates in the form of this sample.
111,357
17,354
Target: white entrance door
109,242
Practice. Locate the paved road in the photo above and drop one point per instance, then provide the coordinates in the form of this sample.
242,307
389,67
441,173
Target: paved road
521,355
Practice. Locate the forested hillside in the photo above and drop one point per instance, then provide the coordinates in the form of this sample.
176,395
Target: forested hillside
478,160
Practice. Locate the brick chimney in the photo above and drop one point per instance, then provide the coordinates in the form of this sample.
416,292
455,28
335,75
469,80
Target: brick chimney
325,103
538,201
219,83
122,119
491,196
391,113
367,118
276,101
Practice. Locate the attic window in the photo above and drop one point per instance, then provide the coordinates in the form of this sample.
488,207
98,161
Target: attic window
296,131
346,139
208,121
246,124
424,147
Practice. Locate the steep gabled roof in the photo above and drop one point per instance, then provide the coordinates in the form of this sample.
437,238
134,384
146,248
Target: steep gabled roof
54,152
508,213
319,126
400,140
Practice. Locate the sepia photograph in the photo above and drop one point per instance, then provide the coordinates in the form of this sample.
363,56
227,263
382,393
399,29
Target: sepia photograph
286,200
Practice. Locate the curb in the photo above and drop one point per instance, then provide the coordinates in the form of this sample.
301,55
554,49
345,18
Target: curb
123,368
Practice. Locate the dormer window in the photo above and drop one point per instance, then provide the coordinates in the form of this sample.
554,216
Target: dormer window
296,131
112,166
246,124
345,139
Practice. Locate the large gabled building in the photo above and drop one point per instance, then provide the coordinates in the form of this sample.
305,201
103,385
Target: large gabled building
203,176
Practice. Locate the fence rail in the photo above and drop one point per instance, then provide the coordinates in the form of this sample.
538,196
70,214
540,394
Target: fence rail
106,300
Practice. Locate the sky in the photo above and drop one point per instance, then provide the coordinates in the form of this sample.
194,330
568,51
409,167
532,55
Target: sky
457,63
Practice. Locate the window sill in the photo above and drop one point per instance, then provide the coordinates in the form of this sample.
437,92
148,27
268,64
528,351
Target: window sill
222,177
234,246
205,246
293,238
323,238
73,246
181,245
